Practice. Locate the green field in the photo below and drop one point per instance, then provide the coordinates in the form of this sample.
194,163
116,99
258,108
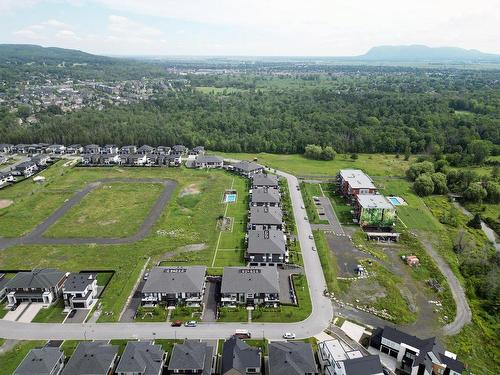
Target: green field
373,164
328,262
112,210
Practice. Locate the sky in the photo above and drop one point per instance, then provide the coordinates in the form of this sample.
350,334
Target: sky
250,27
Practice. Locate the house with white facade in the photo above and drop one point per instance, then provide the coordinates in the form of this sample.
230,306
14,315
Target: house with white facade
80,291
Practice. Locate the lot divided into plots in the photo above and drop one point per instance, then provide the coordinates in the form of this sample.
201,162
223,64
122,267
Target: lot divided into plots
188,222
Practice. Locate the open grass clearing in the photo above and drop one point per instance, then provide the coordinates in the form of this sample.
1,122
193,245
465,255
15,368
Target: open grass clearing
115,209
373,164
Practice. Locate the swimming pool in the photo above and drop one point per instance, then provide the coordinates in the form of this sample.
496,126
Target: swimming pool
230,198
394,201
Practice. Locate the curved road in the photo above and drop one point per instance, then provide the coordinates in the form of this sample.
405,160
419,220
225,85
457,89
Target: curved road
35,237
319,319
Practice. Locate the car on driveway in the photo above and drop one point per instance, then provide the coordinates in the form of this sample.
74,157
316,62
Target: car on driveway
191,323
71,314
176,323
289,335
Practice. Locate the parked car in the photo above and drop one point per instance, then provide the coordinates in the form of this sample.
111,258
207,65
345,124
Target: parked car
313,248
242,334
302,207
71,314
176,323
305,218
311,237
289,335
146,275
191,323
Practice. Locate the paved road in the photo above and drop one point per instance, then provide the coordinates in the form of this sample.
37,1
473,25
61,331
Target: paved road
331,216
318,320
464,314
36,235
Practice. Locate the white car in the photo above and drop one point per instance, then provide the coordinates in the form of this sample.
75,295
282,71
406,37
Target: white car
311,237
313,248
289,335
191,323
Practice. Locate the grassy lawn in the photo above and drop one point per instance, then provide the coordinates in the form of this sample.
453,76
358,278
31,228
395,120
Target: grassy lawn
112,210
121,345
189,219
184,314
168,345
373,164
10,360
51,314
237,314
328,261
415,215
3,311
151,314
308,192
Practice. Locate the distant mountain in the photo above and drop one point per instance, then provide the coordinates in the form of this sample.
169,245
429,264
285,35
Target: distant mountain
421,52
28,52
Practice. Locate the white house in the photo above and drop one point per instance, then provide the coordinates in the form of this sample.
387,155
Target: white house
80,291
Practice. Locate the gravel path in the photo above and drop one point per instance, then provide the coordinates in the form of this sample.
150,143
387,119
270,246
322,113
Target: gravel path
35,237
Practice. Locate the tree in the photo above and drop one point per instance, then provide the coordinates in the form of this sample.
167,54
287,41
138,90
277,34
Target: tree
354,156
439,180
475,192
441,165
313,152
24,111
493,192
416,169
328,153
479,150
475,222
423,185
407,153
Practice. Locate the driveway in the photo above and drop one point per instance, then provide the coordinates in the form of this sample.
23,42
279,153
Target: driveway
30,312
330,215
16,314
79,316
134,303
210,300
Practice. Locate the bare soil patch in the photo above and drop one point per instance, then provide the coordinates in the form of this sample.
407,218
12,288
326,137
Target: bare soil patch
190,190
4,203
184,249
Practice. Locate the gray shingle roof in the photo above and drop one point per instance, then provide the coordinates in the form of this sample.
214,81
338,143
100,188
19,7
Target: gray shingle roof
200,159
266,216
39,361
175,279
192,355
262,179
264,195
238,355
247,166
91,358
290,358
369,365
266,241
76,282
44,278
250,279
141,357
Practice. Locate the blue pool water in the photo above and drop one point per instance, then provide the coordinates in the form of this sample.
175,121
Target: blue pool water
231,198
395,201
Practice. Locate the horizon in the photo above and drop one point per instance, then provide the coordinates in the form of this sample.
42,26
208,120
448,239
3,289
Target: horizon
230,28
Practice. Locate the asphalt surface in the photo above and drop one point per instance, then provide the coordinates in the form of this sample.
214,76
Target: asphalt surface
319,319
331,216
35,237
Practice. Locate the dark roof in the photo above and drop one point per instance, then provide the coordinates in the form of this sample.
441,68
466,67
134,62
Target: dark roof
266,216
175,279
44,278
192,355
262,179
398,336
94,358
453,364
39,361
76,282
238,355
250,280
247,166
208,159
363,366
265,195
266,241
141,357
290,358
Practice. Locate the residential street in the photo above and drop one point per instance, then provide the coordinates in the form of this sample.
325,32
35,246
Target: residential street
319,319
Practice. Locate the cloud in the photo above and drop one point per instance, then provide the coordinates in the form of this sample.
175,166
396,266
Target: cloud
56,24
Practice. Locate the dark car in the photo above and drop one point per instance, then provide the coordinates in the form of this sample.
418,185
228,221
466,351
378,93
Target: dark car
177,323
71,314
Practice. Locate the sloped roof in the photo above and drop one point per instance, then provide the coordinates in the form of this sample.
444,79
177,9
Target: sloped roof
369,365
175,279
250,280
208,159
247,166
290,358
91,358
39,361
44,278
238,355
266,241
264,195
266,215
263,179
141,357
192,355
